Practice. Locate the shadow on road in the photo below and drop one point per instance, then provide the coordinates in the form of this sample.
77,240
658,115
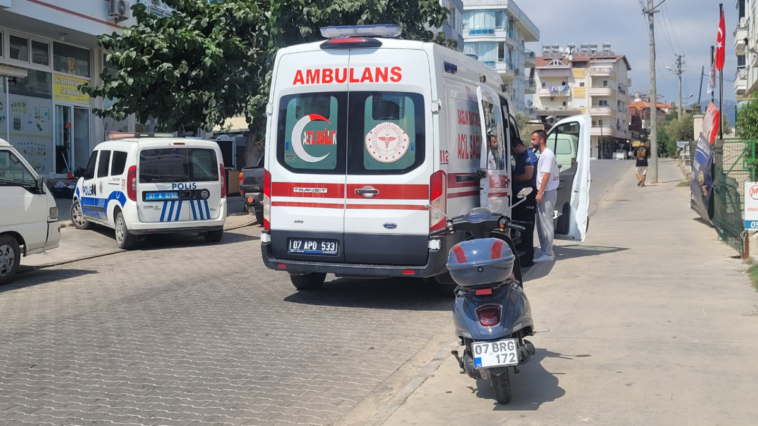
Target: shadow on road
703,221
391,293
29,277
177,240
577,251
531,388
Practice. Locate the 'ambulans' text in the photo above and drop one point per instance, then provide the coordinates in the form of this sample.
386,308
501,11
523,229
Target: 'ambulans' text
350,75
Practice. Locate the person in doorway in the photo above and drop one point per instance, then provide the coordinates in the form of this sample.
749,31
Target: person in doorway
642,153
548,179
494,157
524,176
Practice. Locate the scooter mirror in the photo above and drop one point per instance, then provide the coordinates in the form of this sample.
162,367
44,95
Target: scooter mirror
524,192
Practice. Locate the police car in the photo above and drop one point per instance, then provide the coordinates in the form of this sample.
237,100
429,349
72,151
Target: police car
141,184
373,141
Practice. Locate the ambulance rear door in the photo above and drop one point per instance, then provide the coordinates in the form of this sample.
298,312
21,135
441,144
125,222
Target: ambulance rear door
390,157
495,184
308,160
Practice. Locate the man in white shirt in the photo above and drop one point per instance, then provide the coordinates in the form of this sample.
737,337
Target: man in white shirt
548,178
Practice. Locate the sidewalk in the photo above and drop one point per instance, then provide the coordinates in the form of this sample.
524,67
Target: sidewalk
77,245
651,322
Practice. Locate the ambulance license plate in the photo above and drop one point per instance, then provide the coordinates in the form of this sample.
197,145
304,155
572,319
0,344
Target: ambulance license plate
322,247
495,354
160,196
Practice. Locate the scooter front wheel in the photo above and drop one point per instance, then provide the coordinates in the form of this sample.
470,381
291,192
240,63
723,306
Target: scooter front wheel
502,386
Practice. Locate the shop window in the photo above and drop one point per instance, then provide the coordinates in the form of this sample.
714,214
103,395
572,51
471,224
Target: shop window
71,60
40,53
19,48
31,121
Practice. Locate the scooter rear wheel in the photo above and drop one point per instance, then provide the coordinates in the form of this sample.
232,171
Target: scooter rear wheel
502,386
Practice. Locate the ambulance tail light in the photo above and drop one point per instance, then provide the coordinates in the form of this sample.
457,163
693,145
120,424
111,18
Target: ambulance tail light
438,200
266,199
131,183
222,175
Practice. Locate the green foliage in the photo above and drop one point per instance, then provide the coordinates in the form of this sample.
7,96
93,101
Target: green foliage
672,132
664,139
725,123
522,120
210,61
747,121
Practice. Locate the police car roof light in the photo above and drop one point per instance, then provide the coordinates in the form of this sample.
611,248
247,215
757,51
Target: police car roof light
380,30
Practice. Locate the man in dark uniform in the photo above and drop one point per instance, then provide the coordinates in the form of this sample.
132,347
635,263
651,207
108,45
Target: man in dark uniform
525,176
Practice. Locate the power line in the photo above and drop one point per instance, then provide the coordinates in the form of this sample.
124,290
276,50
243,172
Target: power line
671,24
666,34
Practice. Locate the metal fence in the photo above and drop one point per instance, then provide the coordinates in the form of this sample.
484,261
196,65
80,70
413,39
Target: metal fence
733,165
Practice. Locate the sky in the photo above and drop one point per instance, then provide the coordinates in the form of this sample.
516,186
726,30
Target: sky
687,27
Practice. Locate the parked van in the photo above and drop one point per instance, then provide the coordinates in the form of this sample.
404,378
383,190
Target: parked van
28,214
142,184
373,141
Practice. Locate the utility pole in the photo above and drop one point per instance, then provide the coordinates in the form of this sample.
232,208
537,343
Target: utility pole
679,72
702,74
650,12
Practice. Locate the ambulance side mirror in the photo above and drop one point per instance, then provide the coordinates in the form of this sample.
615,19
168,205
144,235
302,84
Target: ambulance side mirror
524,193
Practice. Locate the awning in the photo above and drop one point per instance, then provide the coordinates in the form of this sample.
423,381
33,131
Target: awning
12,72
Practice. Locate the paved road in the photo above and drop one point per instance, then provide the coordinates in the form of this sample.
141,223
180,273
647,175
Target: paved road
187,333
605,174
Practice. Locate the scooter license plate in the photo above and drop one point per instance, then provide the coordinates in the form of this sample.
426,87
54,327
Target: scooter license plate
495,354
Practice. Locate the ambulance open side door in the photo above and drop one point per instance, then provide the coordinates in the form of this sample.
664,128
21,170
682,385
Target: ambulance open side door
495,187
569,139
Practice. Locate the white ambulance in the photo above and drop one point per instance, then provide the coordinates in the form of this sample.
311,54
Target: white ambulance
142,184
367,132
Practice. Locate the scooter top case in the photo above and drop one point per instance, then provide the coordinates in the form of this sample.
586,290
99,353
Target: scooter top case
480,262
512,308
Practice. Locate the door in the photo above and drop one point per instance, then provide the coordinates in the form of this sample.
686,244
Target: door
569,139
495,185
390,159
102,187
64,125
88,194
81,138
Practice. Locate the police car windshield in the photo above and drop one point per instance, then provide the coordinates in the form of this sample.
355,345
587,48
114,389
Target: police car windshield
177,165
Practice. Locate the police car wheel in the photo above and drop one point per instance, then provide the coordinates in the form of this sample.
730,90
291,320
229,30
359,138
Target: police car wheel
308,281
214,236
10,258
77,217
124,239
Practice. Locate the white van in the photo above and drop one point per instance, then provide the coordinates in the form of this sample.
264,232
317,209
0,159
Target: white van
28,215
141,184
365,133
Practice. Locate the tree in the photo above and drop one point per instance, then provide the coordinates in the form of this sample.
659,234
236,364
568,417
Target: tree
747,121
210,61
522,120
725,123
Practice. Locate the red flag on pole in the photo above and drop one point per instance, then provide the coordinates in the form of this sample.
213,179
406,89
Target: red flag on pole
720,42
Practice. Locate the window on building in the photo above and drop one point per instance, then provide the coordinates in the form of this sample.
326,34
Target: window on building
581,84
19,48
563,83
740,61
71,60
544,84
740,9
40,53
580,64
564,103
486,51
1,45
605,83
511,29
480,20
501,52
31,124
500,19
451,17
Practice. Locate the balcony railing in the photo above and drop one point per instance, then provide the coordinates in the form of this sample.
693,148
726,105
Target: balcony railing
601,71
600,91
600,110
554,92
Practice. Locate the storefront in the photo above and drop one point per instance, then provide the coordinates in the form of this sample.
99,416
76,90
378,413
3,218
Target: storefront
44,115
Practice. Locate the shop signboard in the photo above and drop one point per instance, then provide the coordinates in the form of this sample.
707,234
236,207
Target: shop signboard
751,206
66,89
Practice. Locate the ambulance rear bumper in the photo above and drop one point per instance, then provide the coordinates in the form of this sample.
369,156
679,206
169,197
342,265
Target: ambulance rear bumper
435,266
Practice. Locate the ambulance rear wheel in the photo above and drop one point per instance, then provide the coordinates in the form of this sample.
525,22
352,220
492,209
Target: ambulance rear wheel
259,217
308,281
214,236
124,238
77,217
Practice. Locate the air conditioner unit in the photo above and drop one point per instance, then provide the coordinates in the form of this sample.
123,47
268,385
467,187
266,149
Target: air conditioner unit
119,9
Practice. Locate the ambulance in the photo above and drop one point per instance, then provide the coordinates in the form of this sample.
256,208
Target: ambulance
374,141
143,184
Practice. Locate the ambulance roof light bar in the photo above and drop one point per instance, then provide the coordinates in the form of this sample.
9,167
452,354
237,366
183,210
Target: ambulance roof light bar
114,136
379,30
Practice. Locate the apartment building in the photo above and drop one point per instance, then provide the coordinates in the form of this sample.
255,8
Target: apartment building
453,28
47,49
746,47
586,80
496,31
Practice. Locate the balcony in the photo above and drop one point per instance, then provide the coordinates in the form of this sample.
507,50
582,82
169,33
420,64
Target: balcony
740,82
601,71
546,92
557,111
604,130
530,87
505,69
740,34
601,110
600,91
530,59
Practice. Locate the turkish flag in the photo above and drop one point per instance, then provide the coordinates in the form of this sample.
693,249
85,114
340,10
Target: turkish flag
720,42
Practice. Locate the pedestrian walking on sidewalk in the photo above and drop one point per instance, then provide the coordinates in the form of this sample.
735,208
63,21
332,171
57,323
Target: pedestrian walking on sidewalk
642,153
524,176
548,179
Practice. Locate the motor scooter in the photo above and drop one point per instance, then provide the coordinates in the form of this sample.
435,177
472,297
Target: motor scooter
491,313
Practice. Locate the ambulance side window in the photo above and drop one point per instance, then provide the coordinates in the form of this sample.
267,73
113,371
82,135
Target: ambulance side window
102,166
90,172
387,132
311,133
495,139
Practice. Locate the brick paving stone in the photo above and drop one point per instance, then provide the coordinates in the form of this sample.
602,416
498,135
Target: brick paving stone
178,333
